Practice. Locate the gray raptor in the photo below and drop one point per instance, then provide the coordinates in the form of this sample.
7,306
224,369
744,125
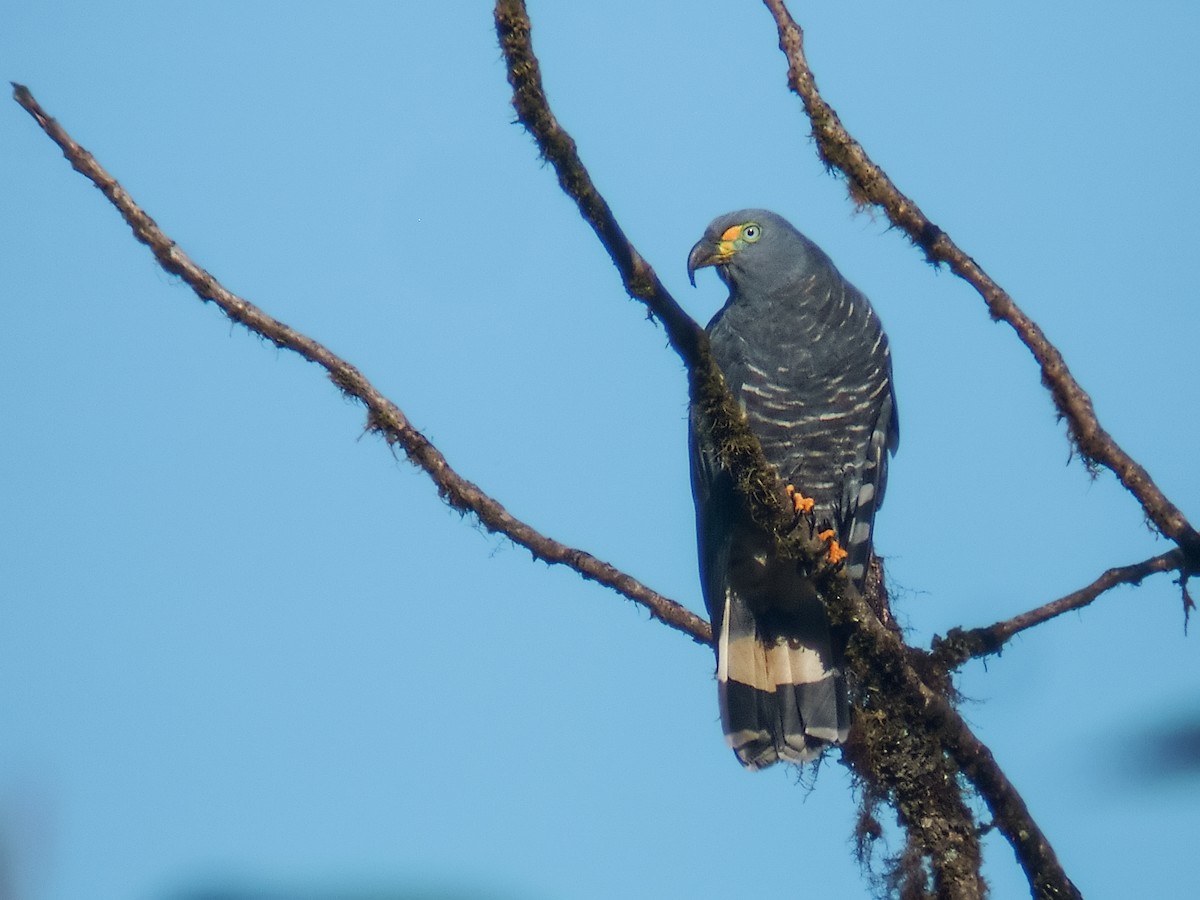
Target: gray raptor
805,354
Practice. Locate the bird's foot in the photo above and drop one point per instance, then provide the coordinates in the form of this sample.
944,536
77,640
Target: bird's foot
835,554
801,505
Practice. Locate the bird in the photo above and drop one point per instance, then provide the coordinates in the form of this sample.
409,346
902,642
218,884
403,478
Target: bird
806,356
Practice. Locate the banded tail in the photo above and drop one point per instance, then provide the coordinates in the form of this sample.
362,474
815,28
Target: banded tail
781,689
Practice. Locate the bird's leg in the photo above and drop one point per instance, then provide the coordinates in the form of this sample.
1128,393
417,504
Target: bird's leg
835,553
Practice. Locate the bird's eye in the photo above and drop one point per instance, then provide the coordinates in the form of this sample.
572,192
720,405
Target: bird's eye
751,233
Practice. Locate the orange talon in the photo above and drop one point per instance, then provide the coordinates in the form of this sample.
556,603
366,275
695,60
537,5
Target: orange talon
835,553
800,503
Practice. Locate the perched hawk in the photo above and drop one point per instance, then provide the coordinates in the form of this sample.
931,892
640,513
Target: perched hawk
806,355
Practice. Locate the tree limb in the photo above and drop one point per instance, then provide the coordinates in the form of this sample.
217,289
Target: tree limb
558,148
959,645
383,416
1037,858
870,184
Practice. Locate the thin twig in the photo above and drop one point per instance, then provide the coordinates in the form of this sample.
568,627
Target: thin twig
959,645
870,184
383,415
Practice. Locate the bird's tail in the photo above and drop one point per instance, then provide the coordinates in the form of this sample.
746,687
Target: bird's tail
782,694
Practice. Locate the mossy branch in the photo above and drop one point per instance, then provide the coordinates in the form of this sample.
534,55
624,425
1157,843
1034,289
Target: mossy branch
869,184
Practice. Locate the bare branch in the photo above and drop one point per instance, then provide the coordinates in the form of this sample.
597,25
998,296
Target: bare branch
960,645
870,184
1047,879
558,148
382,414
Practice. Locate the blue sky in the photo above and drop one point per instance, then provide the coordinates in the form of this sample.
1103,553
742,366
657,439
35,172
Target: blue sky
242,645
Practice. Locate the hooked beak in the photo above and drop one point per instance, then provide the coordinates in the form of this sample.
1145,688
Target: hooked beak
713,251
707,253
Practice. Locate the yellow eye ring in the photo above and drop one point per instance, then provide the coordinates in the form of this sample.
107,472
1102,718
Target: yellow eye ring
751,232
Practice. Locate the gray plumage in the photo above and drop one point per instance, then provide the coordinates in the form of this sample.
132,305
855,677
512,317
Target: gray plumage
806,355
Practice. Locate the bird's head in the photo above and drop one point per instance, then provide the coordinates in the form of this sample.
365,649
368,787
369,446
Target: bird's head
747,241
